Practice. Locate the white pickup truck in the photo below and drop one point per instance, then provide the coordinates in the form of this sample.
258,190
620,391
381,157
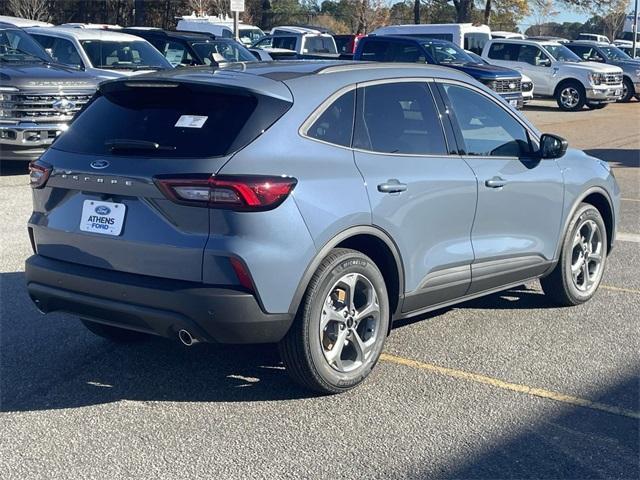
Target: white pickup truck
558,73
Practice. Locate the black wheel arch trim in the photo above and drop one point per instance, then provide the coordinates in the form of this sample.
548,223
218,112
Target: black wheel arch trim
335,241
574,208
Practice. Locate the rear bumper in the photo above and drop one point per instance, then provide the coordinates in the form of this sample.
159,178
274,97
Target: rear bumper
152,305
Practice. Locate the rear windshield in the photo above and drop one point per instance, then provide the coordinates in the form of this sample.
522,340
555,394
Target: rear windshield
123,55
175,121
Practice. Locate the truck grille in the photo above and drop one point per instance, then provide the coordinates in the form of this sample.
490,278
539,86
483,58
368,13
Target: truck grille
512,85
613,79
43,107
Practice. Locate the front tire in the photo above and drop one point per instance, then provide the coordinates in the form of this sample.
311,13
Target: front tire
341,326
628,91
578,274
115,334
571,96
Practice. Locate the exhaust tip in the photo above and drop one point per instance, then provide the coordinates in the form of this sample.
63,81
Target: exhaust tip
186,338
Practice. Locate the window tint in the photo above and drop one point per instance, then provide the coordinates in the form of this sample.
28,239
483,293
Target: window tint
176,53
149,116
65,52
487,129
405,52
288,43
335,125
374,51
224,51
319,45
582,51
123,55
398,118
504,51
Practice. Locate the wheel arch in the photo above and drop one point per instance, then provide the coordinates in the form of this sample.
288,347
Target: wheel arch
601,200
564,82
377,245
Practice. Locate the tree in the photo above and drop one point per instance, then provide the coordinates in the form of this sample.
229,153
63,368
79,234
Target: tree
543,10
613,19
31,9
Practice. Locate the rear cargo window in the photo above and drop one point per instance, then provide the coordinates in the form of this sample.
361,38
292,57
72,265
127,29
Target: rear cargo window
177,121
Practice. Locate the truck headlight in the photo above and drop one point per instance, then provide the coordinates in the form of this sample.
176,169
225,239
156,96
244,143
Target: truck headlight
638,73
596,78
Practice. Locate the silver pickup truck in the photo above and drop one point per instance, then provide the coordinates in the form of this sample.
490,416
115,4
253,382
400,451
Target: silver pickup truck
37,97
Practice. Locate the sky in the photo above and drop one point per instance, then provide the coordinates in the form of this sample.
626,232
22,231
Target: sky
564,15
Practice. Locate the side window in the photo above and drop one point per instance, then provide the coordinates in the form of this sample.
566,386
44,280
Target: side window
45,41
177,54
582,51
488,129
398,118
288,43
404,52
65,52
533,56
504,51
375,51
335,125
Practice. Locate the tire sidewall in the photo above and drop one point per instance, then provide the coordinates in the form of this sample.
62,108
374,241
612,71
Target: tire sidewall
579,88
585,212
349,263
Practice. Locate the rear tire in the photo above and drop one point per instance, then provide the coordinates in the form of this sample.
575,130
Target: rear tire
577,276
115,334
571,96
341,326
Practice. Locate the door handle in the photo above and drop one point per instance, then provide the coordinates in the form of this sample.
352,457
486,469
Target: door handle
392,185
496,182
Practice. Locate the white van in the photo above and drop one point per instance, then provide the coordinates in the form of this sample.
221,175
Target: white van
465,35
220,27
503,34
593,37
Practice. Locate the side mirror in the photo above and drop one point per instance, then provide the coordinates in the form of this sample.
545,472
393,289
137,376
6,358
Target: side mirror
544,62
552,146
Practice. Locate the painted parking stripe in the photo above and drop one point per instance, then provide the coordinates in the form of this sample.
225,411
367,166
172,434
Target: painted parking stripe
620,289
513,387
628,237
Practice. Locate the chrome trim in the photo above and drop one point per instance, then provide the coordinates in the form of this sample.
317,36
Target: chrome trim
23,128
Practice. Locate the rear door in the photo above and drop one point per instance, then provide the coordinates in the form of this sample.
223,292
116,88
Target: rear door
520,197
104,206
422,195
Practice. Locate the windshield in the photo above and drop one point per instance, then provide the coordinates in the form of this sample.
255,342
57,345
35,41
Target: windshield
231,51
614,53
249,36
562,53
17,46
447,53
136,55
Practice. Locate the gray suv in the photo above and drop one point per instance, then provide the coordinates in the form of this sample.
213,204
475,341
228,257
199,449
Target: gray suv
309,204
605,53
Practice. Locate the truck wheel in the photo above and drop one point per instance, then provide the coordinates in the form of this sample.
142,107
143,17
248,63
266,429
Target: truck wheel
115,334
627,90
578,273
341,325
571,96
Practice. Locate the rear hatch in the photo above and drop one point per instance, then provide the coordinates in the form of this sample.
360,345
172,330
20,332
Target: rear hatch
102,205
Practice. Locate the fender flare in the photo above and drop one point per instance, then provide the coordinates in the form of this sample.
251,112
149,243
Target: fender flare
336,240
574,207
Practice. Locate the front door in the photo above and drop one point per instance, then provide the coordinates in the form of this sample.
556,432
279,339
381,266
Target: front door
520,197
422,196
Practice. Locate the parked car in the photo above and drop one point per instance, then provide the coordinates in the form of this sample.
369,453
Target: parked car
346,44
612,55
465,35
220,27
23,22
99,26
302,41
37,96
187,48
593,37
343,178
527,83
391,48
102,53
548,38
558,73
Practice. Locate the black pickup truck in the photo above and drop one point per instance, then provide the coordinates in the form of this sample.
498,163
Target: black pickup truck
391,48
37,97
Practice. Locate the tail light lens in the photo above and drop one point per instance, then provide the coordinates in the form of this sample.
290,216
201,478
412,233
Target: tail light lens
244,193
39,173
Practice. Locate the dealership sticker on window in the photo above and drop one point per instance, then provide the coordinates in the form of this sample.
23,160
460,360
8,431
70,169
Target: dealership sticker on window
191,121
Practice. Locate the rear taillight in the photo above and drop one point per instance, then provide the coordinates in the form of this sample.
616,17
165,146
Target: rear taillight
246,193
39,173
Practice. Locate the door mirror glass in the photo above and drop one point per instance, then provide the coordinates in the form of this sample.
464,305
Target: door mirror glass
552,146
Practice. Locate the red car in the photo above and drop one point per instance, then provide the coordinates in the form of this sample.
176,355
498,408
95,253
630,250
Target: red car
347,43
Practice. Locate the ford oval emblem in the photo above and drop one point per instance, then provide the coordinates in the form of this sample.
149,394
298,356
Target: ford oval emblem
63,105
512,86
99,164
102,210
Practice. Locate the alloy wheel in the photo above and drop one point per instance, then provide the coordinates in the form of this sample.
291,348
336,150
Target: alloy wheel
586,256
349,323
570,97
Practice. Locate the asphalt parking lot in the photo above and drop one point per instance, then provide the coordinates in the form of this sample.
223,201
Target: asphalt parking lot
500,387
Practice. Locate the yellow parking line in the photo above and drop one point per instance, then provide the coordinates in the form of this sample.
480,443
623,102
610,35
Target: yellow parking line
619,289
514,387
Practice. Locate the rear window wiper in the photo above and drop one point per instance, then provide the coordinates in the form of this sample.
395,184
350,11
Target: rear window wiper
119,144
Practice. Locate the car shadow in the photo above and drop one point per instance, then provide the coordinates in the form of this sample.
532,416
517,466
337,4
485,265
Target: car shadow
617,157
11,168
